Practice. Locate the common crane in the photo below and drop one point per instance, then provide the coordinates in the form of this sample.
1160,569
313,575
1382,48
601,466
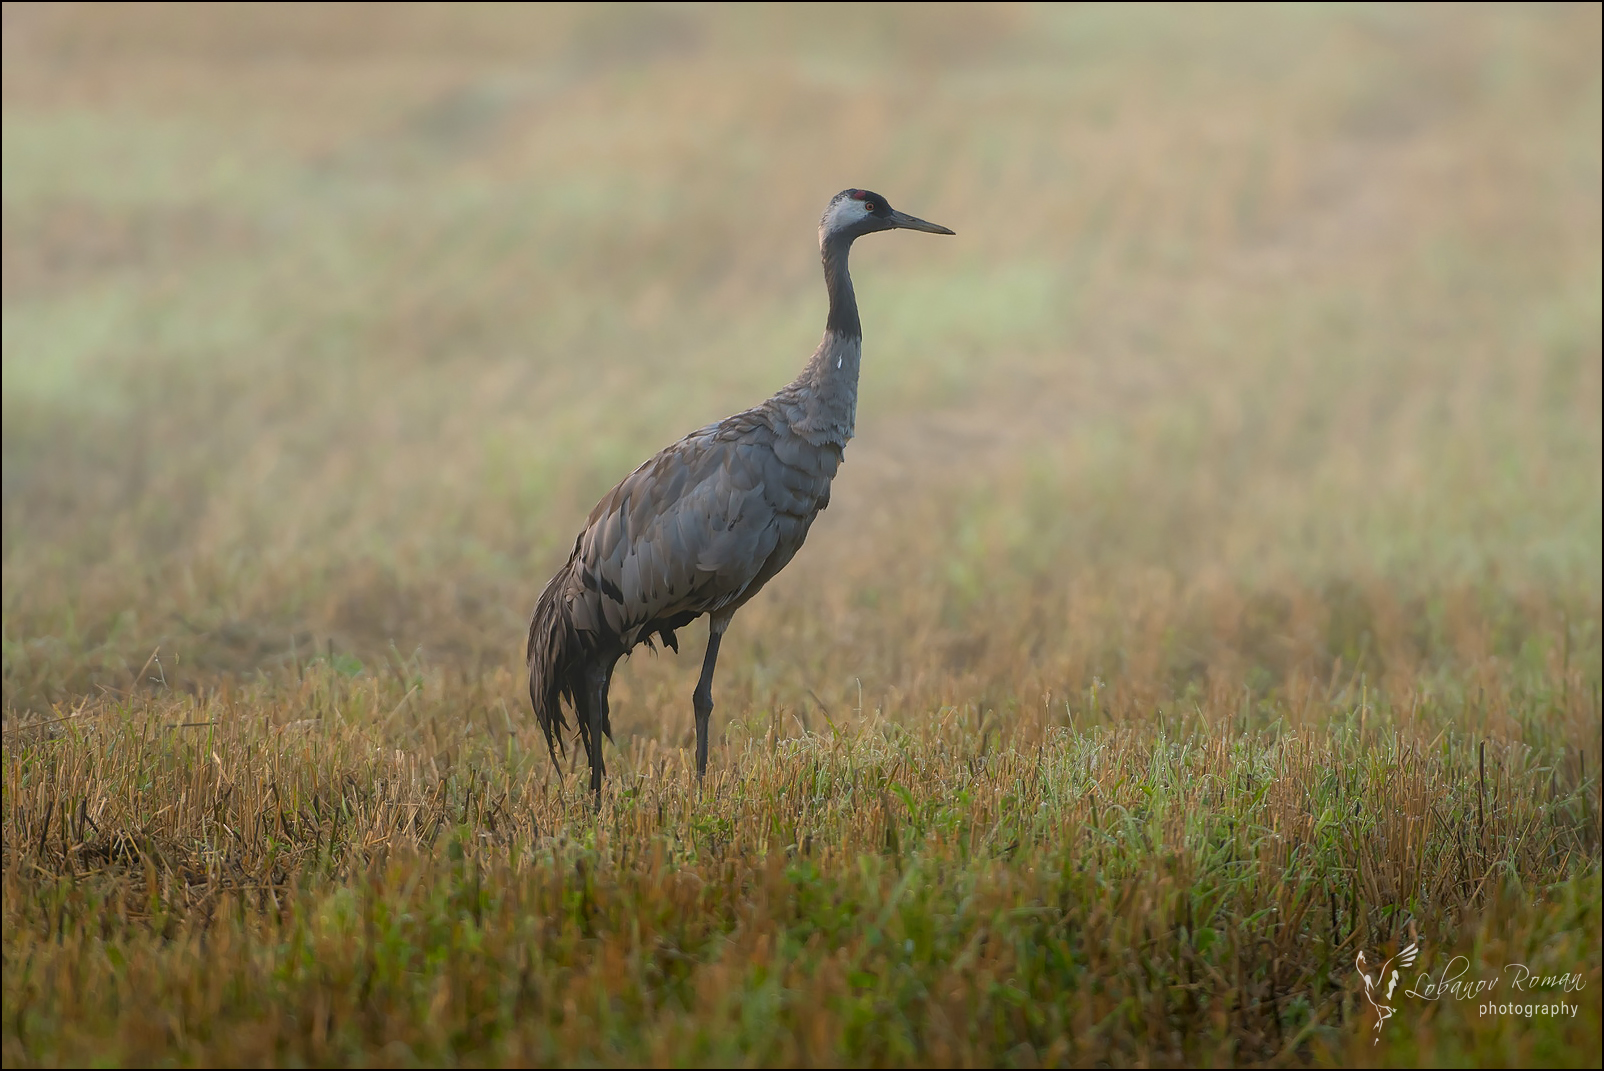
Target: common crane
702,526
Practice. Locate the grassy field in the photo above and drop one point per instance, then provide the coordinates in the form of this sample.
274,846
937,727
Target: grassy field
1213,590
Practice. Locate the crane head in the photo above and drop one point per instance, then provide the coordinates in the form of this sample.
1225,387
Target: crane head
852,213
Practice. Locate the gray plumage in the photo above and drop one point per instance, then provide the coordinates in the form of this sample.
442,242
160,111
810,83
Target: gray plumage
702,526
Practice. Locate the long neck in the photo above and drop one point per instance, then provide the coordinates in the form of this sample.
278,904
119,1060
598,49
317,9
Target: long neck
822,403
843,319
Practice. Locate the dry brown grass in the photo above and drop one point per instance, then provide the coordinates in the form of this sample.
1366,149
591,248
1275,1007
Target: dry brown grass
388,878
1223,492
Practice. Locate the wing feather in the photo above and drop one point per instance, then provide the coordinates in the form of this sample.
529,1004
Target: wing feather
699,527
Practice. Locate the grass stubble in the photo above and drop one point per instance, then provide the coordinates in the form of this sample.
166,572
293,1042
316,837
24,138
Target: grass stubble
1213,591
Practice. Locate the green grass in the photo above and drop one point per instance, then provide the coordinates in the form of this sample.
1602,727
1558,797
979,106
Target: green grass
1213,590
1067,884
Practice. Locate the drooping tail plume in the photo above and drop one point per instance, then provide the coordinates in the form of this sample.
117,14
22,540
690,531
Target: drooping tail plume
554,659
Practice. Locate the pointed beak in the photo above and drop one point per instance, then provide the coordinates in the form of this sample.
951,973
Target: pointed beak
914,223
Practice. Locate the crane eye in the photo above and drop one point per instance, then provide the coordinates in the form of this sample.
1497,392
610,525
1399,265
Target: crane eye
868,206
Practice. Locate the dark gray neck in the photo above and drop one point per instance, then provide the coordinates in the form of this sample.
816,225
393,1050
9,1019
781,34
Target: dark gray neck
821,404
843,319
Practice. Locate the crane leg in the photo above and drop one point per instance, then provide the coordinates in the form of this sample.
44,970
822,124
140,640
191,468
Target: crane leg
596,678
702,698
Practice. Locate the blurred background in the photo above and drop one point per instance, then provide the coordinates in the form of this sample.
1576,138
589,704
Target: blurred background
1267,353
